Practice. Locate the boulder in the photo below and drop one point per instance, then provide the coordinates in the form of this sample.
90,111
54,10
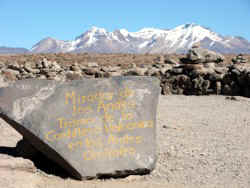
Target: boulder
136,71
201,55
75,67
71,75
45,63
170,60
239,59
218,88
2,65
13,66
28,68
91,127
93,64
55,67
159,59
10,74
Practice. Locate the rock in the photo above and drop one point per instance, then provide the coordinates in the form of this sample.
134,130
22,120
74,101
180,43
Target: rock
39,65
177,70
93,64
51,75
55,67
75,67
14,66
166,89
45,63
90,71
137,71
157,65
3,81
28,68
91,127
201,86
25,149
192,67
180,84
236,72
19,164
70,75
164,69
201,55
41,76
170,60
215,77
111,69
239,59
159,59
218,88
118,73
133,66
2,65
184,82
226,90
248,76
10,74
246,92
25,76
232,98
151,71
101,74
221,70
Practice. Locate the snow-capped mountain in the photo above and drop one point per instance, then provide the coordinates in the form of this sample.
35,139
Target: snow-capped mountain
146,40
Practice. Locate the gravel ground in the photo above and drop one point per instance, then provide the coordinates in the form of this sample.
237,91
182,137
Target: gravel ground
203,141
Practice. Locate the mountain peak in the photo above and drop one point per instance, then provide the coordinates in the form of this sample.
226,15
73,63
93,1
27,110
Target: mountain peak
190,25
124,32
95,29
149,29
48,39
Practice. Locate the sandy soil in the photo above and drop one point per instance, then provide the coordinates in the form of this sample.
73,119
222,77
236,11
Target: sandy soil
202,142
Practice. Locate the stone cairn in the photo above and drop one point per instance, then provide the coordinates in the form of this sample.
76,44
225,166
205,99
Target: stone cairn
201,72
239,59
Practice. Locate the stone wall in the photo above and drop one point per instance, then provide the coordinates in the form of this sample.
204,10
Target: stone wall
202,72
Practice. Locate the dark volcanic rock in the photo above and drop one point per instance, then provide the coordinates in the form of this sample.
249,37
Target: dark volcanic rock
92,127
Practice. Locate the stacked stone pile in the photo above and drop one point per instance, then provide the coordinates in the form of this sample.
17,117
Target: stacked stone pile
200,72
239,59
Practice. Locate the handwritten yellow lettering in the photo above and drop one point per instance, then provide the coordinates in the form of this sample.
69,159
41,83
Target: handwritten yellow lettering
47,136
70,96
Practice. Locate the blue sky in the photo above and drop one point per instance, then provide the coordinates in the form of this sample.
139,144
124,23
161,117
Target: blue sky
24,23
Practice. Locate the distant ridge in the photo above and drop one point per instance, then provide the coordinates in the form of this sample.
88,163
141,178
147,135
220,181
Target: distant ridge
9,50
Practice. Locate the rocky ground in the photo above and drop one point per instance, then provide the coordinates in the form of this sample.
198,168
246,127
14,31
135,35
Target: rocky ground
199,72
203,141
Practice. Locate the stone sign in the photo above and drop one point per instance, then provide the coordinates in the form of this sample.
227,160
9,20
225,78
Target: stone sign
90,127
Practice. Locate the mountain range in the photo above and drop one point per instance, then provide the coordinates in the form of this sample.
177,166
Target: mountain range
8,50
146,40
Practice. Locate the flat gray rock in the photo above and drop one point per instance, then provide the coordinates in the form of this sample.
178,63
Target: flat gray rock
202,55
92,127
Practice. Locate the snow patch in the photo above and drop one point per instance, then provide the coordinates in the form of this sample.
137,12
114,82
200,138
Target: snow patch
144,44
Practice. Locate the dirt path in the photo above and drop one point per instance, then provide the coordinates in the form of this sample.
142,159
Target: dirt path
202,142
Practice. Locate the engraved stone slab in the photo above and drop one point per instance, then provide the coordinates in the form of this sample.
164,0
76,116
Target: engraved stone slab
90,127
